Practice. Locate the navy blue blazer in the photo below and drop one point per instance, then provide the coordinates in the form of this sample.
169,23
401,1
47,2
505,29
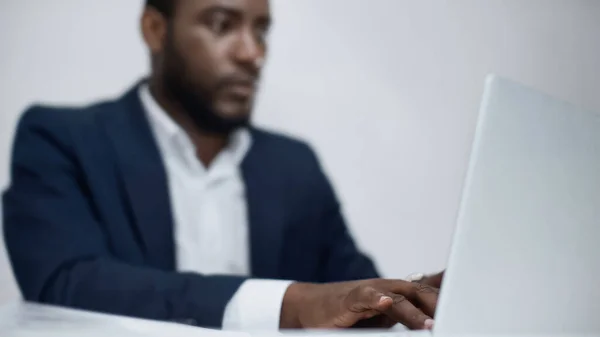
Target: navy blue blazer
88,223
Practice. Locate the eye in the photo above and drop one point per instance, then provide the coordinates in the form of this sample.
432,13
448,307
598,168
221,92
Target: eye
261,33
220,23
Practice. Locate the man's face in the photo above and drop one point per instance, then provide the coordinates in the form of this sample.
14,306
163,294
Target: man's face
212,56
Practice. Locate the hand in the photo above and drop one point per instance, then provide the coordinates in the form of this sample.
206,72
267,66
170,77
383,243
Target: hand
374,303
434,281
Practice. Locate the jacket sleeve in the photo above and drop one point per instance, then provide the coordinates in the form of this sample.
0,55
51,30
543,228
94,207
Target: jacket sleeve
60,254
341,259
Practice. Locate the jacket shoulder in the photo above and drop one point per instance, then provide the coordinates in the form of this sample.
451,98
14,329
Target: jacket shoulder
54,117
287,149
43,131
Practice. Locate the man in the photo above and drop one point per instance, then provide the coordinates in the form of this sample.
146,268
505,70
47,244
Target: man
166,204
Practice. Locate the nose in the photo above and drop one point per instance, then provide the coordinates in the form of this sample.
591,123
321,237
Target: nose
250,51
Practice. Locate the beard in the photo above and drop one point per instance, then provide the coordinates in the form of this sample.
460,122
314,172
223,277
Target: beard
196,101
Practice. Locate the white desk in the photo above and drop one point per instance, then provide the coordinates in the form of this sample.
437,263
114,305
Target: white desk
35,320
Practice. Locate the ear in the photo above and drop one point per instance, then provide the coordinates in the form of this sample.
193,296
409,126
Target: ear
154,29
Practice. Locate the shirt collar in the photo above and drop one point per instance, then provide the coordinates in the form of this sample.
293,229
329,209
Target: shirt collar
171,137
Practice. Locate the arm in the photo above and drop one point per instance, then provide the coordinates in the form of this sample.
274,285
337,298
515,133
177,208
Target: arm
257,305
373,302
58,250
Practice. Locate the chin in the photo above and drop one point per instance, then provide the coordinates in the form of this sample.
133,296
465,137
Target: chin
233,112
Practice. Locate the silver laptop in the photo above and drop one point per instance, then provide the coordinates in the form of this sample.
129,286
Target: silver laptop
526,251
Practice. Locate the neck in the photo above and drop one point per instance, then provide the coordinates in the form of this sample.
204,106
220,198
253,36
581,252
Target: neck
208,145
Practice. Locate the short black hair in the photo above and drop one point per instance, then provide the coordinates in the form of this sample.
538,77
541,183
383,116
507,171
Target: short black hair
163,6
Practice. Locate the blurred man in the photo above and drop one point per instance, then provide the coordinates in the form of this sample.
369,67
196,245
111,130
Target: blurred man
167,204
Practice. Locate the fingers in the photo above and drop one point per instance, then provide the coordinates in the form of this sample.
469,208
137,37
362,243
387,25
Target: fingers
380,321
426,298
411,304
406,313
420,296
365,298
434,281
363,302
402,287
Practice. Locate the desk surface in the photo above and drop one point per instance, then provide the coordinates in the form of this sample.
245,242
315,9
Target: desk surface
34,320
28,319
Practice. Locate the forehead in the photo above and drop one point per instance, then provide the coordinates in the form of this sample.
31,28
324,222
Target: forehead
246,7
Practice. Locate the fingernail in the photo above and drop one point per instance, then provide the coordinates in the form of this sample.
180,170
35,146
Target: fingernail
429,323
384,299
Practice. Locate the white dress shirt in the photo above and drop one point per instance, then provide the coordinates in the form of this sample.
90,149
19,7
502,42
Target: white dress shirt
210,218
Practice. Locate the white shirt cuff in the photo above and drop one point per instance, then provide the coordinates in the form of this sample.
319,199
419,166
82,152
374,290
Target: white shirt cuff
256,306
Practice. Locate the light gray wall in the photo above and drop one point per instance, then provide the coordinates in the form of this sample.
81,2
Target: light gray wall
386,90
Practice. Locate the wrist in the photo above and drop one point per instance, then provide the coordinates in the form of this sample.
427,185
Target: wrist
294,299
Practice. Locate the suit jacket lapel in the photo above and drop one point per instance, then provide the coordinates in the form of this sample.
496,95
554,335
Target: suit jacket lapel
145,182
265,209
144,178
